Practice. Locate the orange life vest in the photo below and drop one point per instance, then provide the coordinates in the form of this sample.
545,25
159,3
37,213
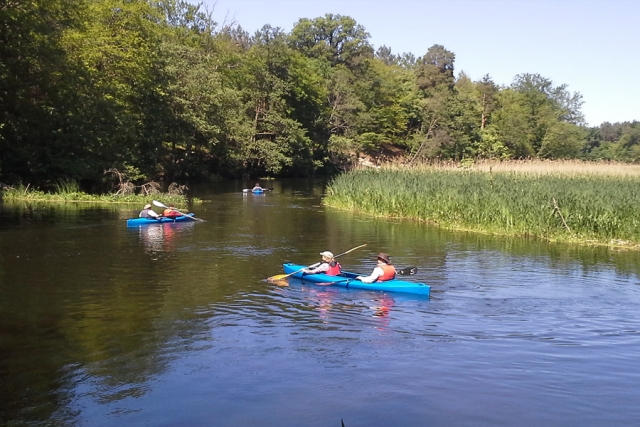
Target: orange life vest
334,269
388,273
170,213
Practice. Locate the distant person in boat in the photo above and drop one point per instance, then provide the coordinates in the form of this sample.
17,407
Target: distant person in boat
147,212
171,212
257,187
328,266
382,272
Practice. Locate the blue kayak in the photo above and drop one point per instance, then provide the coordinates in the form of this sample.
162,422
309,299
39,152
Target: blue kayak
134,222
348,280
252,191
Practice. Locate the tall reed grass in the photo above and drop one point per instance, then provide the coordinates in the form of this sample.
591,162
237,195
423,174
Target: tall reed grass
538,167
594,208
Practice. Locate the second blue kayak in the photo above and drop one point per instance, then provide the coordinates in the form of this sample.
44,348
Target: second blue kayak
134,222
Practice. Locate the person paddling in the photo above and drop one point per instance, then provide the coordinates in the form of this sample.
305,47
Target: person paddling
257,188
328,266
147,212
171,212
382,272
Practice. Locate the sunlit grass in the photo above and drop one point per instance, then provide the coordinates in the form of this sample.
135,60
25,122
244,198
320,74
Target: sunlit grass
568,203
537,167
67,187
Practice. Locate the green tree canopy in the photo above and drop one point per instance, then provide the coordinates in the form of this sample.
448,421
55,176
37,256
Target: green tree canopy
336,38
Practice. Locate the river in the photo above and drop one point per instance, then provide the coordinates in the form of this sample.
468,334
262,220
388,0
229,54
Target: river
176,325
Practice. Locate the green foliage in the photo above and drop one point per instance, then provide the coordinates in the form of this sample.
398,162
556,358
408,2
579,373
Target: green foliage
160,90
335,38
562,141
619,141
435,68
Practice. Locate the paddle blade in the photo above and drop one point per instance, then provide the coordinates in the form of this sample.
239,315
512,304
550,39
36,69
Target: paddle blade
277,277
409,271
158,204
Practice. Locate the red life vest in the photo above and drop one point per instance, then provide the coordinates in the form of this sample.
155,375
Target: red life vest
334,269
388,273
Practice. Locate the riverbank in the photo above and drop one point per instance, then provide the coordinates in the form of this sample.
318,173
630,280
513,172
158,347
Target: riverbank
577,202
70,193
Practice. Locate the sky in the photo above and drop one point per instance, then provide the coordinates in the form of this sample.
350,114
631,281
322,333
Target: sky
592,46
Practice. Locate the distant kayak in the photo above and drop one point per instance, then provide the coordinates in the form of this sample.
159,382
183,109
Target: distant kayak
348,280
134,222
256,190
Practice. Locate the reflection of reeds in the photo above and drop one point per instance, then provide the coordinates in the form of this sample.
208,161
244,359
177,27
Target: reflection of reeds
573,204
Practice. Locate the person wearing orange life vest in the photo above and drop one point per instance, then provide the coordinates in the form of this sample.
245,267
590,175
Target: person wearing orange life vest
382,272
328,266
170,212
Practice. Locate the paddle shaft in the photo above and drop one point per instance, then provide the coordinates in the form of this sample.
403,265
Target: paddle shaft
162,205
279,277
407,271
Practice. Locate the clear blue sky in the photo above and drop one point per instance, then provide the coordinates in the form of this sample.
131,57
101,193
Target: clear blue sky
593,46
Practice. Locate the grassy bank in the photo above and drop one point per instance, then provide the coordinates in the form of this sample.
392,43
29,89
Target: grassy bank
596,205
70,192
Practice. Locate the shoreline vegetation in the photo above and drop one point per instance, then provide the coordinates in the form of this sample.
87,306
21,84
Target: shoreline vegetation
69,192
559,201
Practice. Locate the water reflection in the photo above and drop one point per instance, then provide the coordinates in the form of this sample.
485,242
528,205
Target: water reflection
337,307
322,302
383,306
163,237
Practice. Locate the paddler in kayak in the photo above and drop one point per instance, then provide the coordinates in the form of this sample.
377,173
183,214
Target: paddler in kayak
171,212
147,212
382,272
328,266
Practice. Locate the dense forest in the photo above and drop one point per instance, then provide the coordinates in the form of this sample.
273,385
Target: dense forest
157,89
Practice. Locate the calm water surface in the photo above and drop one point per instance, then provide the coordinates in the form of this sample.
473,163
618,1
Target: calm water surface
175,325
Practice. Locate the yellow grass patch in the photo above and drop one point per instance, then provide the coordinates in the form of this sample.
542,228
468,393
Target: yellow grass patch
540,167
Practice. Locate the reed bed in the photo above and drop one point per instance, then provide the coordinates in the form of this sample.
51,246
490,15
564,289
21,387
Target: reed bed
539,167
590,208
70,192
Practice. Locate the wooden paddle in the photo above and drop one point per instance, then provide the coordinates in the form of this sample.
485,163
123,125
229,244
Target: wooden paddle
161,205
284,276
